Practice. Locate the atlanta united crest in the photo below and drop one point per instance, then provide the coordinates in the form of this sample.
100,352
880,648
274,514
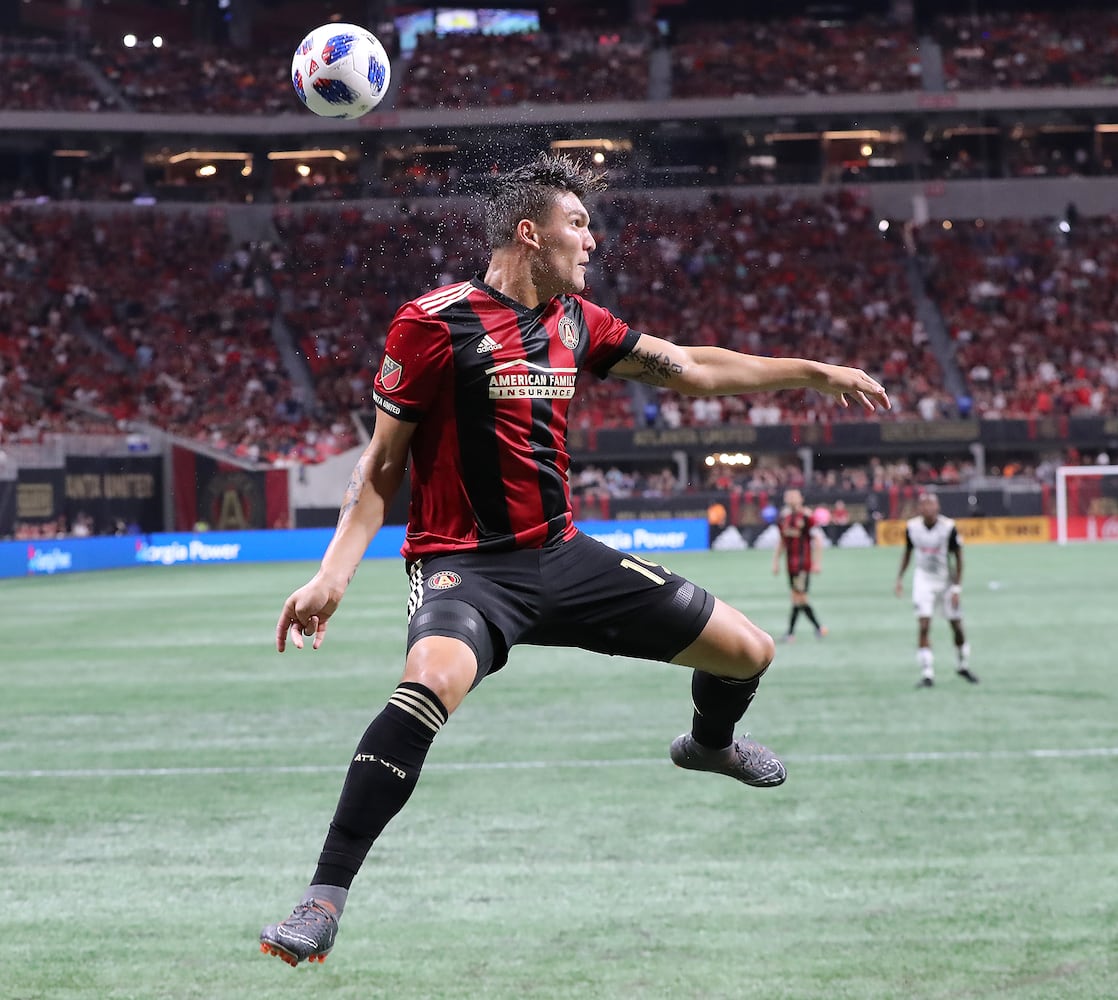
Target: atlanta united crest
391,373
568,333
444,579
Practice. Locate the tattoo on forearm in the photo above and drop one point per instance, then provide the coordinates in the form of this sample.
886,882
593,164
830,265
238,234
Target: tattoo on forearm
655,369
352,490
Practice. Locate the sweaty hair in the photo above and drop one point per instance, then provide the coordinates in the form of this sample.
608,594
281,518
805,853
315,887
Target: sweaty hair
528,192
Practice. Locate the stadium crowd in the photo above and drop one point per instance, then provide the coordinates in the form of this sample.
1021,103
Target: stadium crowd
463,71
794,56
1013,49
160,318
150,318
198,78
798,55
51,82
1031,309
769,478
778,275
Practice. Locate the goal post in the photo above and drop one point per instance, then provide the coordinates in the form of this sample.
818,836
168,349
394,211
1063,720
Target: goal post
1086,503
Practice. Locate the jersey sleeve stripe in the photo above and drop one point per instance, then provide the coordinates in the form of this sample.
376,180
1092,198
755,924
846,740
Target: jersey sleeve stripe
439,300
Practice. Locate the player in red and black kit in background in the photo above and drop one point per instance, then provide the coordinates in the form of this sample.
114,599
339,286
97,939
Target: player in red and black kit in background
803,550
475,385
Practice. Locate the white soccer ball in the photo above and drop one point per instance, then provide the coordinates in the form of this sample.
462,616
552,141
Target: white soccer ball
340,71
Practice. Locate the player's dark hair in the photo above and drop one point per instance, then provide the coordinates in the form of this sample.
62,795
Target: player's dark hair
529,191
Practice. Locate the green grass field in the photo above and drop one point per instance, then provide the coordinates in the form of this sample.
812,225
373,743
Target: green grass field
166,780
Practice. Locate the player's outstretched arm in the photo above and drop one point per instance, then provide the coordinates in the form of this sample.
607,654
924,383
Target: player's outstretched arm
778,551
898,587
957,575
956,591
715,371
376,478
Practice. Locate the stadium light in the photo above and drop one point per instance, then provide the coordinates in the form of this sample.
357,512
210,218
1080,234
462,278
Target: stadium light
307,154
728,458
883,226
303,170
157,42
213,154
609,145
206,170
129,41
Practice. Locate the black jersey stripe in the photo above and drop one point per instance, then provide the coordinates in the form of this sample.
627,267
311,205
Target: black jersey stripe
482,475
553,484
542,439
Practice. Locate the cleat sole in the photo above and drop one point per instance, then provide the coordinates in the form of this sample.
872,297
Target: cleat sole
286,956
280,953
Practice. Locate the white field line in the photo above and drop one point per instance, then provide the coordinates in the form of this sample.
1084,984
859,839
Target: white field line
911,757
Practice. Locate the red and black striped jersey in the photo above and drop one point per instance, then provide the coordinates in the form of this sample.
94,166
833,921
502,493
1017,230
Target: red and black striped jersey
796,530
488,383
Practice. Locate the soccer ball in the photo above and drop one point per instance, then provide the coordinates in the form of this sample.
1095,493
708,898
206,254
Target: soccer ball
340,71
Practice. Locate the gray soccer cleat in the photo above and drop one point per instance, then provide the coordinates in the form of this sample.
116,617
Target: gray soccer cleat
307,935
745,760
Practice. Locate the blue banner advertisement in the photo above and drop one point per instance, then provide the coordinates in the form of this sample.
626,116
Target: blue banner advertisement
47,557
675,535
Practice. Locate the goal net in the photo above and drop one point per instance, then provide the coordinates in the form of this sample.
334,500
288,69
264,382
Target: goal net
1086,503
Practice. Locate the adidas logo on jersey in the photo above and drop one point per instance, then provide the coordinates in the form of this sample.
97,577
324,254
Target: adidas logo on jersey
487,345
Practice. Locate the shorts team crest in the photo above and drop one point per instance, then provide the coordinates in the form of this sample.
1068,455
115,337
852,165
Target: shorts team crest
443,580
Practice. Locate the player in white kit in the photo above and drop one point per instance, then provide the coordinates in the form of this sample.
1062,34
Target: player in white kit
936,584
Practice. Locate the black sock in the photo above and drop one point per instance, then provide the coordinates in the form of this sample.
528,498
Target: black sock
719,705
806,609
792,621
381,778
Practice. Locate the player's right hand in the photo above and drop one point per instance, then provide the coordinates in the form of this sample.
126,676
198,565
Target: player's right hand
305,613
898,588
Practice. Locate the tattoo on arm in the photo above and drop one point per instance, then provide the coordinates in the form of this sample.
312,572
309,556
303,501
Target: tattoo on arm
654,368
353,490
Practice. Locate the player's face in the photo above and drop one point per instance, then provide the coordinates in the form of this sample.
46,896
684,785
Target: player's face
565,246
929,508
793,499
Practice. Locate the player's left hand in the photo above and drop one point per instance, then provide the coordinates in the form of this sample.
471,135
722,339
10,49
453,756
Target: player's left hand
305,613
841,382
954,595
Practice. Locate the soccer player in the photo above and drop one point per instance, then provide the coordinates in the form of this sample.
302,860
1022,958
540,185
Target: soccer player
803,551
474,386
937,584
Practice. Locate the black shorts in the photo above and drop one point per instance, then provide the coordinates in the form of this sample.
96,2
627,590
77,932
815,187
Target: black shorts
799,581
579,593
